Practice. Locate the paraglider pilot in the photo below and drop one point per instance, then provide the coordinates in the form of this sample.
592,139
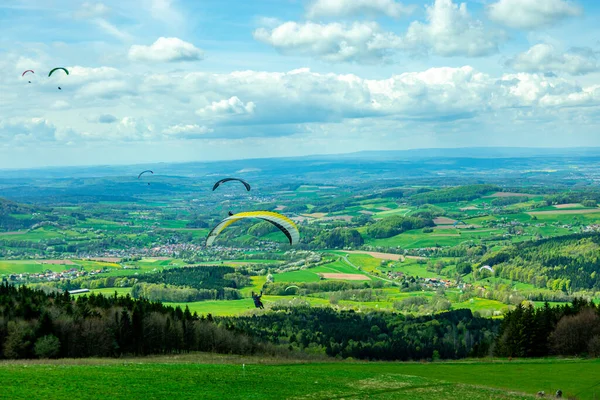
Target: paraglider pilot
256,298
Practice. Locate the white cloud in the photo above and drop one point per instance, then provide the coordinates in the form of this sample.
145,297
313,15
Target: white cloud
451,31
190,131
92,10
97,13
587,97
296,103
347,8
27,129
80,75
132,128
107,89
334,42
532,14
229,107
25,63
164,10
268,22
547,58
102,82
434,93
112,29
166,50
60,105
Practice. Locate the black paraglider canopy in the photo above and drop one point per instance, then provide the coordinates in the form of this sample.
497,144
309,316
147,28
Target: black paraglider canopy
246,184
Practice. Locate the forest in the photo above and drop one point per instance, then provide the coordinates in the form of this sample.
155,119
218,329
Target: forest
446,195
181,294
569,330
34,324
279,288
374,335
199,277
564,263
392,226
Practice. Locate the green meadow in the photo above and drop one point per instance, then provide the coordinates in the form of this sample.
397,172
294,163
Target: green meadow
210,376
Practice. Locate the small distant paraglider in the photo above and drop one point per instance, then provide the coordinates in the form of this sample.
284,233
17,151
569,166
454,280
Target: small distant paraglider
292,286
56,69
144,172
488,268
246,184
24,72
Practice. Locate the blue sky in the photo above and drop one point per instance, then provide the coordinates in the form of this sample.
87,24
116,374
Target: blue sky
179,80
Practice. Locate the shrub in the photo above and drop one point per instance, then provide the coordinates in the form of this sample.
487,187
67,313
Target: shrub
47,347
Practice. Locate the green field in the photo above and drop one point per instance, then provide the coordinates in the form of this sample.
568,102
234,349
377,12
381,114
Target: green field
46,233
108,291
479,304
411,267
208,376
217,307
310,274
30,266
36,266
439,237
365,262
306,275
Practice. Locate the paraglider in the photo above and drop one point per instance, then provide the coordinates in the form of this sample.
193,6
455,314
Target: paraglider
488,268
292,286
257,302
285,225
56,69
246,184
459,222
24,72
143,172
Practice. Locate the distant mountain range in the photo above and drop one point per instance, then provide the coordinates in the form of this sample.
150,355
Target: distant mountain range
314,162
471,152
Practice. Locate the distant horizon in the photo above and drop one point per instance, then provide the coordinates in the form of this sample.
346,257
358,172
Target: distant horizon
318,156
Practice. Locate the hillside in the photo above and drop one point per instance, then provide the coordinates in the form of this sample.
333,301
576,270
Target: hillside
210,376
563,263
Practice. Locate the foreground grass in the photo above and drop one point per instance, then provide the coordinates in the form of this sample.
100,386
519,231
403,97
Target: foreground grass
215,377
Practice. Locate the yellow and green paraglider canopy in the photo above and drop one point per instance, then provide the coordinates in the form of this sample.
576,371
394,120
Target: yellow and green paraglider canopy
285,225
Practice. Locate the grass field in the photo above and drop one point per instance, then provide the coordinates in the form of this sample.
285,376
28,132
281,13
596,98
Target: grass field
208,376
30,266
108,291
479,304
310,275
217,307
46,233
411,267
36,266
365,262
439,237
